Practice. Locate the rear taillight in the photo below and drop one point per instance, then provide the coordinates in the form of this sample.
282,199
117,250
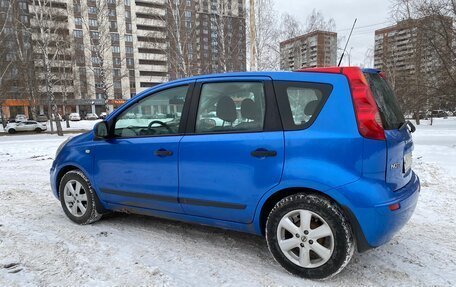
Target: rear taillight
367,114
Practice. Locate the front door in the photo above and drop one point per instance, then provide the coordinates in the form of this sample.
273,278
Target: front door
138,166
234,151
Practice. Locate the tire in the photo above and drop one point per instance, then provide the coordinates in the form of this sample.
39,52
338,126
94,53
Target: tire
320,212
38,130
84,195
11,131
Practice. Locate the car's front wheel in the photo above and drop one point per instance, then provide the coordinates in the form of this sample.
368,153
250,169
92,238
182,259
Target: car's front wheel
78,198
38,130
11,131
309,236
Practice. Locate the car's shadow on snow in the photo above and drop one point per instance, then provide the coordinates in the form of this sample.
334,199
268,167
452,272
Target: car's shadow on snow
192,233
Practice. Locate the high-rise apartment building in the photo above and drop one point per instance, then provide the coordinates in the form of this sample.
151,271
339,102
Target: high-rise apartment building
315,49
103,52
15,54
405,48
206,36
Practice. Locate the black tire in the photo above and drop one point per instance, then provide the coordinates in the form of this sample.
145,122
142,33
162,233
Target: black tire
11,131
334,217
38,130
91,214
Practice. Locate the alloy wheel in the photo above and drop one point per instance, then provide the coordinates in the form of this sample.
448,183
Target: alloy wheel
305,238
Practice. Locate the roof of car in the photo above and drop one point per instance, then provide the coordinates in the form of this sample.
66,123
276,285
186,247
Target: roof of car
272,74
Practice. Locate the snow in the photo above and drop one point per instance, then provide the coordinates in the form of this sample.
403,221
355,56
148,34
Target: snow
121,250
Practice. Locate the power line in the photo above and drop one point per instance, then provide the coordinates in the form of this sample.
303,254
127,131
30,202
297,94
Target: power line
365,26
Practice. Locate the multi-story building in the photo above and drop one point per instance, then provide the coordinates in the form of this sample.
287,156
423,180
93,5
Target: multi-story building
315,49
405,48
15,54
206,36
413,51
104,52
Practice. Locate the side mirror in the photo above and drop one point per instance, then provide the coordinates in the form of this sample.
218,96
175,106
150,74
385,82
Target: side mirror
100,130
411,126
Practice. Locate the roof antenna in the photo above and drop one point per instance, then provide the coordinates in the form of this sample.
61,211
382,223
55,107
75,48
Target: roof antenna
346,44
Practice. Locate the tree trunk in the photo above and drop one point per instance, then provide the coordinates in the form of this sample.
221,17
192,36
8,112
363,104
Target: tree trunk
417,117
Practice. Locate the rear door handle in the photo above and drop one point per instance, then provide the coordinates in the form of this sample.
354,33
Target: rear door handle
163,152
261,152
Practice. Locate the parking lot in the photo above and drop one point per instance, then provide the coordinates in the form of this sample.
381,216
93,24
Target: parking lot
39,246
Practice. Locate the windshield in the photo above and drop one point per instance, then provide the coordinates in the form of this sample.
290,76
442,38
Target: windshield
390,111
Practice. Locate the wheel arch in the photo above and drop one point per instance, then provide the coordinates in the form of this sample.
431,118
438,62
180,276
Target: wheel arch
360,240
272,200
70,167
62,172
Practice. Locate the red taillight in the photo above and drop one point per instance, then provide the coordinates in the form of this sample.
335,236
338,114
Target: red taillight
367,114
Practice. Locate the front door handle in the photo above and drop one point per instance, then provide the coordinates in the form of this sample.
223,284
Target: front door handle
261,152
163,152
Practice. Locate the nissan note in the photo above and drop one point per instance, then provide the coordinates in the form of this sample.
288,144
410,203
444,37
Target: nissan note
318,161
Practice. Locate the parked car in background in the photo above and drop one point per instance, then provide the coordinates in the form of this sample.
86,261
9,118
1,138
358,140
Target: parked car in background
421,115
41,118
74,117
103,115
26,126
438,114
20,118
91,116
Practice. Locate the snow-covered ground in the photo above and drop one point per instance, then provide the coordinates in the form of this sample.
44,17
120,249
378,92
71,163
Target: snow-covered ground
39,246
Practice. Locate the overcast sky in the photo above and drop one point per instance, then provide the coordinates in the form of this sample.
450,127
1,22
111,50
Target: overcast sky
372,15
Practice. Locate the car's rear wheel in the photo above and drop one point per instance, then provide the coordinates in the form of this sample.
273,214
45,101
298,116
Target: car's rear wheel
77,198
11,131
309,236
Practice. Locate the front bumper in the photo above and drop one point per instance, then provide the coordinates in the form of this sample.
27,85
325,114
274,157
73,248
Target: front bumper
373,222
53,180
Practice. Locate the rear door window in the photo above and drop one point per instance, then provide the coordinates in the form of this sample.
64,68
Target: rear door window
300,102
388,106
231,107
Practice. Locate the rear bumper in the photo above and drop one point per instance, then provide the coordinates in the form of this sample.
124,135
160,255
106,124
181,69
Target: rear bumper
373,222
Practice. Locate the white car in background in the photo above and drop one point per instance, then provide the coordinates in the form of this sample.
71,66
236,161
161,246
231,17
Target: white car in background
74,117
91,117
21,118
26,126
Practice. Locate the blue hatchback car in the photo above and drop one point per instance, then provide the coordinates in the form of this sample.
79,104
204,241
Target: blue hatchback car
318,161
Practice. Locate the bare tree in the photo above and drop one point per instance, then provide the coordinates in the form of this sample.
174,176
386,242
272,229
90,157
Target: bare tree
181,32
51,24
316,21
103,52
290,27
228,43
265,42
433,59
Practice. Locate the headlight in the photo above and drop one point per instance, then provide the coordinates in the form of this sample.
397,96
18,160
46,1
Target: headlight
59,149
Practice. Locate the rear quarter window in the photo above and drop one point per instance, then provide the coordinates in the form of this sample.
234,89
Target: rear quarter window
300,102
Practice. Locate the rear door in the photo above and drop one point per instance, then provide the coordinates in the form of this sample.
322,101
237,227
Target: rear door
398,138
233,151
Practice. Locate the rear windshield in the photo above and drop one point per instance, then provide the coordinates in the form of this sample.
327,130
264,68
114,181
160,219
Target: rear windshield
390,111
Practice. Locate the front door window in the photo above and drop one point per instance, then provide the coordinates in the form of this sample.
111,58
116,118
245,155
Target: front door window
158,114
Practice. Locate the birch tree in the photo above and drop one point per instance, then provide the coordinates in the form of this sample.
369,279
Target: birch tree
50,24
181,32
104,40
